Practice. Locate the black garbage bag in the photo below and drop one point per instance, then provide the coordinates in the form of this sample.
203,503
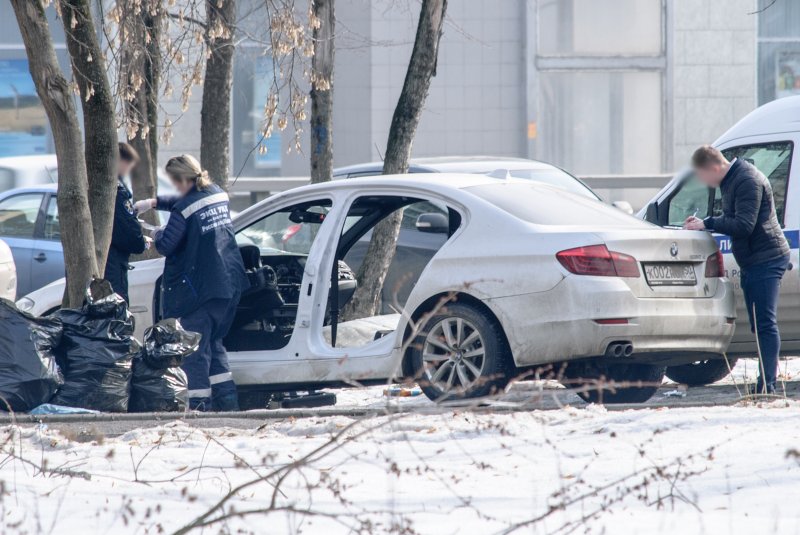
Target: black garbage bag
166,344
101,301
96,350
158,384
28,372
157,390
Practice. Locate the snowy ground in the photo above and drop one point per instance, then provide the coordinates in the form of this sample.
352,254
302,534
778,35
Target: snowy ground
698,470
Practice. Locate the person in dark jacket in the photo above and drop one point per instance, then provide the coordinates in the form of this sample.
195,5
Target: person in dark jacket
203,277
758,244
126,237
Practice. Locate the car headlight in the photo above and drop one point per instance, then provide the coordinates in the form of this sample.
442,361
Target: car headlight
26,304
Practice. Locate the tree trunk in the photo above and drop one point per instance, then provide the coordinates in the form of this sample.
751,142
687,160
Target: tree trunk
322,92
215,113
56,95
142,57
99,124
382,246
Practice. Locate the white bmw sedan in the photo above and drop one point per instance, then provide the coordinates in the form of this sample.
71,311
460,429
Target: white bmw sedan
528,277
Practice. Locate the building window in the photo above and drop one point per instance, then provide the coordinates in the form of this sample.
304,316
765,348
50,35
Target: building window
24,127
597,93
252,80
778,50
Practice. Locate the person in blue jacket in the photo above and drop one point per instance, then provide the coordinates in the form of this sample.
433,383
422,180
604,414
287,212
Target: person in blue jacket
126,236
203,277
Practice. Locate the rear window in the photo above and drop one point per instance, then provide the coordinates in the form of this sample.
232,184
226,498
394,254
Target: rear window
544,205
555,177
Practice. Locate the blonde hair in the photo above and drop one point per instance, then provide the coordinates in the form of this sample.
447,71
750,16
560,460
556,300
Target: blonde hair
186,167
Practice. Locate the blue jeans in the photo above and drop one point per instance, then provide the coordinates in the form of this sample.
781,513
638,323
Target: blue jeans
211,385
761,285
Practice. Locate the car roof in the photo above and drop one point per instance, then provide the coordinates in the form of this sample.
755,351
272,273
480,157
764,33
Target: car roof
776,117
41,188
26,162
437,183
451,164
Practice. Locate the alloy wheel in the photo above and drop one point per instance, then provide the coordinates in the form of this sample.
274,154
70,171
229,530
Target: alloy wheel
454,355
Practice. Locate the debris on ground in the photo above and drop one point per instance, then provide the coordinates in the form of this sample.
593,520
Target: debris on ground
402,392
50,408
674,394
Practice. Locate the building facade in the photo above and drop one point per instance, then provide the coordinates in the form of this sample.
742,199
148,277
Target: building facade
595,86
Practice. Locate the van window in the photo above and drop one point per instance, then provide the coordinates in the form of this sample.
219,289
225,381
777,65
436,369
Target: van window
772,159
691,199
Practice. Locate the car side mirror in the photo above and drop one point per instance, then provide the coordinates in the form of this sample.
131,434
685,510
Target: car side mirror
625,206
433,223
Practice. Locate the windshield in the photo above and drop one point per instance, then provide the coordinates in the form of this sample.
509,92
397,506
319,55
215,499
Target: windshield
555,177
291,230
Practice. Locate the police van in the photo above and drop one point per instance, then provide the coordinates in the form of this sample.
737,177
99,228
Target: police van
767,138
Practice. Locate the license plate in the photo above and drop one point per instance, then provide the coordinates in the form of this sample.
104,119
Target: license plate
670,274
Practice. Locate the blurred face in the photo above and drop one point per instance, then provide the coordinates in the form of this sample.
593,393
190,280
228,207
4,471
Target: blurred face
711,175
124,167
181,185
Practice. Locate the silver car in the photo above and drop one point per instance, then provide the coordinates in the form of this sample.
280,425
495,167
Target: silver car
573,285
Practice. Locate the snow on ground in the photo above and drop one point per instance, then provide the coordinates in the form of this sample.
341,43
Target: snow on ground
698,470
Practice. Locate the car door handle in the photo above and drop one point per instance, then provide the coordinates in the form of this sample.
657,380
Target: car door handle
41,257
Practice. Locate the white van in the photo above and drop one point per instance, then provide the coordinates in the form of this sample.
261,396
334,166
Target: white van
768,138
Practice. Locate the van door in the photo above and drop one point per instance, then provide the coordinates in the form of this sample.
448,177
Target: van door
773,156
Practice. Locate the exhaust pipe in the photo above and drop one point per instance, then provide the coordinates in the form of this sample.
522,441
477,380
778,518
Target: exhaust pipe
619,349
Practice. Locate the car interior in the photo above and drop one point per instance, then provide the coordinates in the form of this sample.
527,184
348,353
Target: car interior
274,251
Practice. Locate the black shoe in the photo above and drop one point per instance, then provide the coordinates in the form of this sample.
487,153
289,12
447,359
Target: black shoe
759,389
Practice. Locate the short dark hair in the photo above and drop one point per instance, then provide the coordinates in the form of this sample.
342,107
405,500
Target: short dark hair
127,153
707,156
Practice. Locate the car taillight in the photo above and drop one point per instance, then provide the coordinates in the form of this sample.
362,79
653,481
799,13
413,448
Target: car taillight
597,260
715,266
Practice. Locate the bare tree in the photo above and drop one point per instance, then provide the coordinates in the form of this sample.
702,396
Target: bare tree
215,115
322,25
99,125
56,95
421,68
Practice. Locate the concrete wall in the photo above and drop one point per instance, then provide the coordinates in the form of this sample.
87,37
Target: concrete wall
714,70
476,101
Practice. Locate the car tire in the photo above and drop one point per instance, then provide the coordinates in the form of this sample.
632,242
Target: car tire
701,373
472,361
595,381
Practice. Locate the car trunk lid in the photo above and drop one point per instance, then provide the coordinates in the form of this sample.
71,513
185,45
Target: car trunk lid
672,262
